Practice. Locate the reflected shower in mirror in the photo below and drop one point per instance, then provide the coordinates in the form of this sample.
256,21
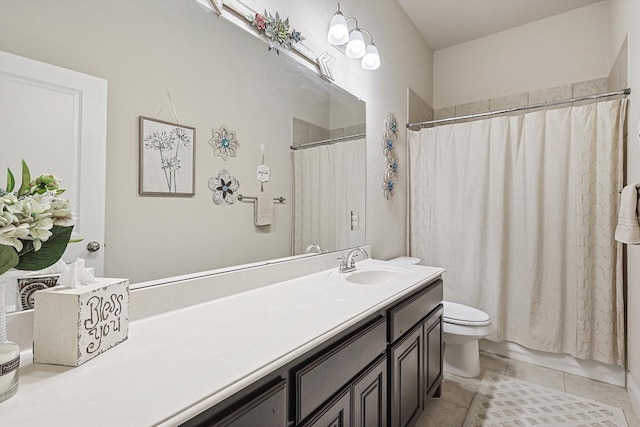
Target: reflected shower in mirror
329,186
218,74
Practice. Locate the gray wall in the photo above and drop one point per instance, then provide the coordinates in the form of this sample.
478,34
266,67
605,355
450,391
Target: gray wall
145,48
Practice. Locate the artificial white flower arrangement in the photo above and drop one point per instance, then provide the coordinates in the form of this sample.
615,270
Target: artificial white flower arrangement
35,224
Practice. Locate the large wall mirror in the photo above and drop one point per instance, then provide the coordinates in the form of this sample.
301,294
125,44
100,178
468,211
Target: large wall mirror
217,75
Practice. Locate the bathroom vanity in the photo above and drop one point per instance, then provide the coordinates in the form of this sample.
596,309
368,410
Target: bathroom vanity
323,349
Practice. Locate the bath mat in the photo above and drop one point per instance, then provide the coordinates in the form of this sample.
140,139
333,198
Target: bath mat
505,402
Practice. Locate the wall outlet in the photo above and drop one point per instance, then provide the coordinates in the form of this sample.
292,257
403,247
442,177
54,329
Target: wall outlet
355,220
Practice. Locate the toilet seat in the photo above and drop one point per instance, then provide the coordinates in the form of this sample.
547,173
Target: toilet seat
459,314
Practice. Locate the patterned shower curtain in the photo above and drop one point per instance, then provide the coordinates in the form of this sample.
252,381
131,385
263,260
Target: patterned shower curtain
521,211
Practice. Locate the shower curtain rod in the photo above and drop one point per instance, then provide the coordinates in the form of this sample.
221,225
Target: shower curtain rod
623,92
328,141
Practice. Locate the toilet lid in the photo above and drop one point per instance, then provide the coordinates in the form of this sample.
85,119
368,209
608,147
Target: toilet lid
460,314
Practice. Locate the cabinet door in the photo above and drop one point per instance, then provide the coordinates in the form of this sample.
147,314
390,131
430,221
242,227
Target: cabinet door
269,409
370,397
318,380
336,414
433,353
407,361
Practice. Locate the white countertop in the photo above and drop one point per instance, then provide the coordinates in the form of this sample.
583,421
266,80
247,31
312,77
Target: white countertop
175,365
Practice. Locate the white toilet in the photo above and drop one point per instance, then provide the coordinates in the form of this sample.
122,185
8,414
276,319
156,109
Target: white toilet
463,327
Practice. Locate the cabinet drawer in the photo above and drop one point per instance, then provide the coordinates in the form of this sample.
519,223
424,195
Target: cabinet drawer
320,379
409,312
268,409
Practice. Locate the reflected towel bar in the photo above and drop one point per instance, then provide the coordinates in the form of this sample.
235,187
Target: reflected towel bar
251,199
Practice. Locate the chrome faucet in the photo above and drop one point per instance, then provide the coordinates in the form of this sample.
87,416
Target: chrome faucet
349,264
313,247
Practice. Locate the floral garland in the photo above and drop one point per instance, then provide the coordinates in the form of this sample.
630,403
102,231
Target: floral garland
276,30
389,137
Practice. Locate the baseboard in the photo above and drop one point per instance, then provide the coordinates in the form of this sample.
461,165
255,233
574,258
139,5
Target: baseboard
561,362
634,394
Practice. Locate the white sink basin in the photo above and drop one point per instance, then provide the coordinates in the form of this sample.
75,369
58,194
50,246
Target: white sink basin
377,275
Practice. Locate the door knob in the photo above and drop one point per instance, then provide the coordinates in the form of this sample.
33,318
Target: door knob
93,246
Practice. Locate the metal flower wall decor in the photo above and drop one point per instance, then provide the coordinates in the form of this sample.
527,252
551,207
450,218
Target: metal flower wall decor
276,31
224,187
224,143
389,137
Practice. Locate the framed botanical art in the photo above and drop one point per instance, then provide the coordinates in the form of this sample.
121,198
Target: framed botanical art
167,158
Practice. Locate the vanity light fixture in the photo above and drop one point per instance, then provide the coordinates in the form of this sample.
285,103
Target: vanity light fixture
351,42
338,30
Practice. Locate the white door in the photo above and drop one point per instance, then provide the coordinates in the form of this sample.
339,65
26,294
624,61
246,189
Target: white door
56,120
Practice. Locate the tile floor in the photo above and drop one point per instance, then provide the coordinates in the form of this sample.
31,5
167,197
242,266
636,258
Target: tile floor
457,392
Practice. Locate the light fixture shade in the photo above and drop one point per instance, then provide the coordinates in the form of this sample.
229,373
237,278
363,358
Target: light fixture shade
355,47
338,33
371,58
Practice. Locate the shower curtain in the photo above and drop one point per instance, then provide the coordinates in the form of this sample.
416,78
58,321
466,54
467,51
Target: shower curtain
521,211
328,186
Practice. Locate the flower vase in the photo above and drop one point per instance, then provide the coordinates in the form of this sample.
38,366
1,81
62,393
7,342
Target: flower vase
9,352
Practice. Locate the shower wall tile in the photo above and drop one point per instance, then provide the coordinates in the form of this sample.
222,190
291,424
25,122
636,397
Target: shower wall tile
510,101
300,134
304,132
347,131
556,93
337,133
419,110
472,108
444,112
317,133
355,129
590,87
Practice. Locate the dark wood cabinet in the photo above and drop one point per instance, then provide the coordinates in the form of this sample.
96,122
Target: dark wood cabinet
406,374
415,354
433,353
336,413
369,396
377,373
320,378
268,409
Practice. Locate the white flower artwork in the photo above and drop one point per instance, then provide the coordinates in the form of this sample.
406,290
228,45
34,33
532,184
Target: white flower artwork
167,155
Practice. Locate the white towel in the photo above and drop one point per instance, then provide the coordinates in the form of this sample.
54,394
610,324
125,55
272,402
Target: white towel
628,229
264,210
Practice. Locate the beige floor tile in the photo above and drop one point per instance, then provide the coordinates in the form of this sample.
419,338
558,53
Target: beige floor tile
603,393
458,390
631,417
536,374
596,390
493,362
441,413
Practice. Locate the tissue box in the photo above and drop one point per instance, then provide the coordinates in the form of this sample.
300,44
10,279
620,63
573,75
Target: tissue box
74,325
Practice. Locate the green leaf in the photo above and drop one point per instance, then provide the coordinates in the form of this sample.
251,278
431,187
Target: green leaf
26,180
11,181
50,252
8,258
